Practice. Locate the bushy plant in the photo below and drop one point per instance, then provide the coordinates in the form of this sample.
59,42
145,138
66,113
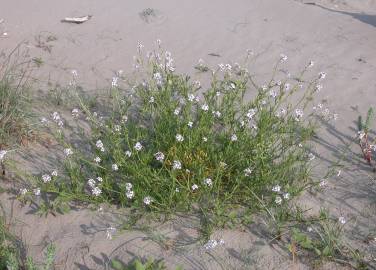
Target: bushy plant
169,145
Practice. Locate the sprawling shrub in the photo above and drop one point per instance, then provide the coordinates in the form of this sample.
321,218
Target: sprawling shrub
168,144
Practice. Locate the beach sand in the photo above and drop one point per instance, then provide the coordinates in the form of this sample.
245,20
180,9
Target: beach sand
339,36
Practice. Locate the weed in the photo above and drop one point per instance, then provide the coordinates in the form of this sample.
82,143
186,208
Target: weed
167,146
14,99
138,264
365,143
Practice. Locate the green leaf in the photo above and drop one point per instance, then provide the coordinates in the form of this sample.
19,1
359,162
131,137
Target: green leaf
116,264
326,251
139,266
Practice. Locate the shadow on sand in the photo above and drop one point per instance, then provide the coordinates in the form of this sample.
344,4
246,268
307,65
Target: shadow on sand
363,17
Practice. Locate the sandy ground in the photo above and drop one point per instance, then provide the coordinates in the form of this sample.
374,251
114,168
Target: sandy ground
340,36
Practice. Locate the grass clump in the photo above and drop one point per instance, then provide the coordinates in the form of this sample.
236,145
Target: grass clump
14,98
168,145
149,264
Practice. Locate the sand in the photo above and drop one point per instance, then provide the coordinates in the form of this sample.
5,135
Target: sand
340,36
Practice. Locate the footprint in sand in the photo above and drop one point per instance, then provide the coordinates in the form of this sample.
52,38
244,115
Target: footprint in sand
152,16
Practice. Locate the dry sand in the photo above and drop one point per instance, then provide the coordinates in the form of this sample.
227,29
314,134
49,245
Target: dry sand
340,36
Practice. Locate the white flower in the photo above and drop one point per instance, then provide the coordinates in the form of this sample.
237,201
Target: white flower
208,182
114,82
234,138
151,100
335,116
36,191
68,152
46,178
276,188
179,137
248,172
309,229
2,154
124,119
281,113
176,165
75,112
158,78
56,117
205,107
251,113
323,183
23,191
283,58
318,87
139,46
311,157
217,114
211,244
99,179
117,128
286,196
44,121
96,191
191,97
177,190
129,194
115,167
278,200
109,232
97,159
138,146
177,111
99,144
190,124
197,84
361,134
128,153
159,156
218,93
128,186
300,145
342,220
298,114
310,64
273,93
148,200
322,75
54,173
91,183
204,139
194,187
338,173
